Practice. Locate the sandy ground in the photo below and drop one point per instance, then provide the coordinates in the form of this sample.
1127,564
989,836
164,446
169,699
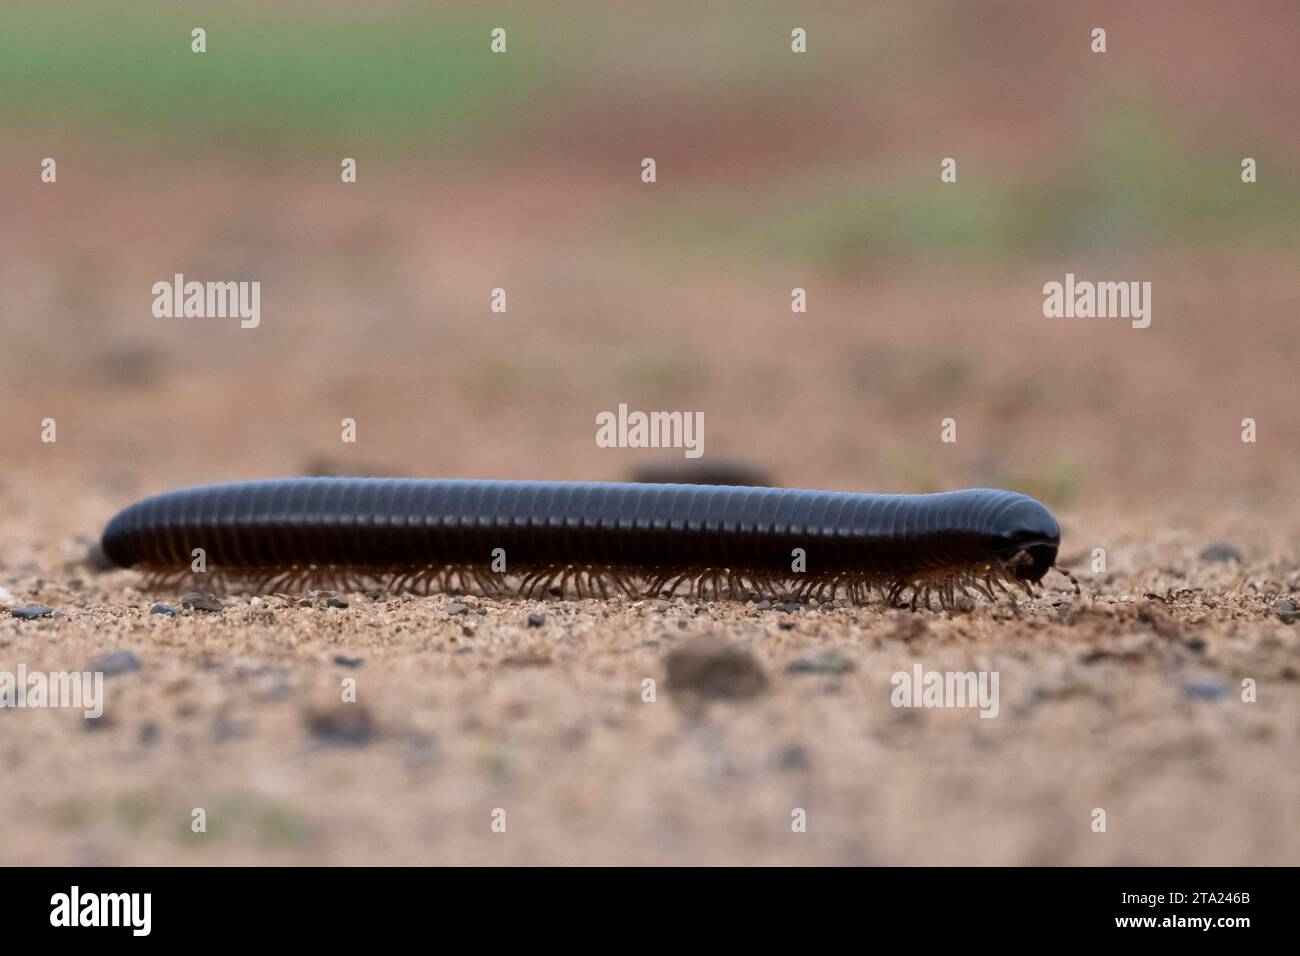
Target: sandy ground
923,305
1128,699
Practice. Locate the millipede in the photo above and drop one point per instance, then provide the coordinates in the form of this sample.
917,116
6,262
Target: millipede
594,539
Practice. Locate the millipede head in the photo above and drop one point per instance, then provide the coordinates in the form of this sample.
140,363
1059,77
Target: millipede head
1028,547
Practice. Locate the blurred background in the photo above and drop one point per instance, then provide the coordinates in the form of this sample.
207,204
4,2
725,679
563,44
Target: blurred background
775,170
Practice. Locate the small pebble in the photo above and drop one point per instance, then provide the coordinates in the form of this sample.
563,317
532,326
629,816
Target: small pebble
1285,611
792,606
464,650
526,659
710,667
165,609
910,627
785,625
717,471
536,619
1208,689
827,662
455,607
31,612
201,601
347,661
791,757
344,725
1219,551
336,602
116,663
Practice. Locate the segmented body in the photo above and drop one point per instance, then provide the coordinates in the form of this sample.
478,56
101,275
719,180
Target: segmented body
594,536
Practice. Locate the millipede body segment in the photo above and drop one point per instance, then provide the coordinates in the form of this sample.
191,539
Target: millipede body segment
596,538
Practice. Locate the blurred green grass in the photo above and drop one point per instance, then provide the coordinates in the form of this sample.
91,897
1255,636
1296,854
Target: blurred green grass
407,76
270,77
1135,182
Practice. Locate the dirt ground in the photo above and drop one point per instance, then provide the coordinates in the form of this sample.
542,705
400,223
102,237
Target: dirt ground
1128,699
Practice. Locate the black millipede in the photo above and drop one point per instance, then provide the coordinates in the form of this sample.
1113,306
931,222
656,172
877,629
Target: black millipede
538,537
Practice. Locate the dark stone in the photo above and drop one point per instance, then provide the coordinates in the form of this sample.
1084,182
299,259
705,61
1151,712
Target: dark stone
715,471
1208,689
791,757
116,663
526,659
1102,654
710,667
165,609
31,612
1220,551
1286,611
455,608
344,725
827,662
348,661
201,601
536,619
